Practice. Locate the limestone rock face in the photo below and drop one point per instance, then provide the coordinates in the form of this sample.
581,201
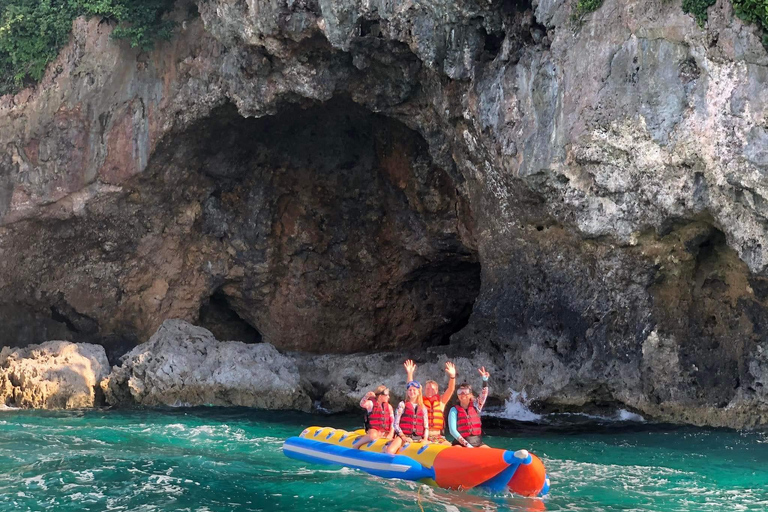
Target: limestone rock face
338,382
582,201
52,375
182,364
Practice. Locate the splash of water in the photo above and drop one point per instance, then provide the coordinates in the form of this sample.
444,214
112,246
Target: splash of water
515,408
625,415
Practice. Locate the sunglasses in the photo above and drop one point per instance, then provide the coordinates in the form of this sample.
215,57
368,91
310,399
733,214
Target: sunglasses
385,394
464,391
413,384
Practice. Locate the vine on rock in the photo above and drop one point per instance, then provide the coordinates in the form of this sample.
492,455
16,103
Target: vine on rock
33,31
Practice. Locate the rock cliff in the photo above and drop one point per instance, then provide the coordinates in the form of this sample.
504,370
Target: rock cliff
580,199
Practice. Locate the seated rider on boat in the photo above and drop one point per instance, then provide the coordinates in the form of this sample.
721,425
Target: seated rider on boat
464,421
434,402
411,419
379,420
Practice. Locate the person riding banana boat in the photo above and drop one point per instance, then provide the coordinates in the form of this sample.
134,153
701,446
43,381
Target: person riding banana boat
393,446
433,401
379,420
464,421
411,420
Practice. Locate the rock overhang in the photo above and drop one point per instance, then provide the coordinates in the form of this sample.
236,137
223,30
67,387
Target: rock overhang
505,121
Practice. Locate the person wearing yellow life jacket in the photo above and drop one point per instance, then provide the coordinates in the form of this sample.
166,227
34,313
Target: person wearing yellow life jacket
411,420
464,421
433,401
379,420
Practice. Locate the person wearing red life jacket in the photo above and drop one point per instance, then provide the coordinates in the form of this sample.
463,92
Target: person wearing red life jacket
433,401
411,419
379,420
464,419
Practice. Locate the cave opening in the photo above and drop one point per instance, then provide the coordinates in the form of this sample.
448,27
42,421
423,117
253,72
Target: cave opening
344,235
225,324
324,228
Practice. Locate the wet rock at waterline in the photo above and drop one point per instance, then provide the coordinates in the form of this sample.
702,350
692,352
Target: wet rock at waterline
182,364
52,375
582,202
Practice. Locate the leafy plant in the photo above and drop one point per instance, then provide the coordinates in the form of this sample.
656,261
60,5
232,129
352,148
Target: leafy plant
754,11
141,21
31,34
584,7
33,31
698,8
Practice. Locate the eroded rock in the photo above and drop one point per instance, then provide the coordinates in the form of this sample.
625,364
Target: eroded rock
52,375
182,364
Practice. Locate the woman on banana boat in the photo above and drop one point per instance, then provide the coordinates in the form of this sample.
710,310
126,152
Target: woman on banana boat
421,416
379,420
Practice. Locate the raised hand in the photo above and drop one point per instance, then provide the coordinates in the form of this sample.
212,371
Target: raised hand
410,367
484,373
450,369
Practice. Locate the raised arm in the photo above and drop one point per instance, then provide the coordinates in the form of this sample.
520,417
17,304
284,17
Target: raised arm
410,369
367,402
484,393
451,371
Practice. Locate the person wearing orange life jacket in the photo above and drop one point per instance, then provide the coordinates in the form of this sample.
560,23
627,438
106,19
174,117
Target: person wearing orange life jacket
464,420
433,401
411,419
379,420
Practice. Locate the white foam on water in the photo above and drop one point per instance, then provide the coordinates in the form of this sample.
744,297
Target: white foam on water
619,415
319,408
625,415
312,471
515,408
84,476
180,404
36,480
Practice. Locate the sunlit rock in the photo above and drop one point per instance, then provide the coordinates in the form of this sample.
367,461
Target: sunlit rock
52,375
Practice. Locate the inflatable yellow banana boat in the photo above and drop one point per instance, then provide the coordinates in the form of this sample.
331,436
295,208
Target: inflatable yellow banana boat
450,467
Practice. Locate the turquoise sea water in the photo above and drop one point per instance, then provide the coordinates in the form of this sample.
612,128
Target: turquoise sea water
211,460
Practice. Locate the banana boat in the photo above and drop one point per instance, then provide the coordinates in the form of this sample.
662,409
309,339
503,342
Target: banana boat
450,467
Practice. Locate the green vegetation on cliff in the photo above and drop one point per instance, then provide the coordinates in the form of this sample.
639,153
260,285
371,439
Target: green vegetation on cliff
752,11
584,7
698,8
33,31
